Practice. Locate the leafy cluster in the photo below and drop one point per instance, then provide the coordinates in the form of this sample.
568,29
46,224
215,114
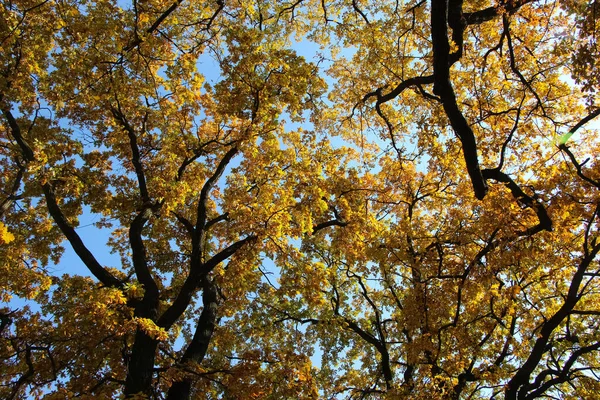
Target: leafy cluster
308,199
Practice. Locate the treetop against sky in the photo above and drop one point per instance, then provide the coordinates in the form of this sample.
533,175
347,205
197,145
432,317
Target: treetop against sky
409,212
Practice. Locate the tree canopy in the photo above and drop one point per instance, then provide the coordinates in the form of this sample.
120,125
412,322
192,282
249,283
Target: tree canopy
337,199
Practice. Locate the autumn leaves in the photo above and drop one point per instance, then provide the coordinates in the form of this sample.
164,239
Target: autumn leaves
411,227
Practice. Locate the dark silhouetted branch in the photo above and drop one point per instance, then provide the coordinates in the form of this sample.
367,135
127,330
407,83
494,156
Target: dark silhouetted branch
443,88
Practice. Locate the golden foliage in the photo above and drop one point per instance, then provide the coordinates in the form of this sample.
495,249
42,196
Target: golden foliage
307,199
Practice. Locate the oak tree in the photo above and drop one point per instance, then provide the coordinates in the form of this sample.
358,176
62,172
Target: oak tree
407,210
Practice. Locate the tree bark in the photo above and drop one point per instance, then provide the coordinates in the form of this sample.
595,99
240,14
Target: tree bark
198,347
141,365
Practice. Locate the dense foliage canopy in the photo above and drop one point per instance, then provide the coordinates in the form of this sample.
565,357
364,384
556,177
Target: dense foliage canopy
308,198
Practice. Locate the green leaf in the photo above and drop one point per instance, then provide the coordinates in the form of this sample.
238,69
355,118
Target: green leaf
563,139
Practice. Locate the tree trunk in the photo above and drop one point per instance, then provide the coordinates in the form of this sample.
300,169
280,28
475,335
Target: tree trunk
141,365
199,344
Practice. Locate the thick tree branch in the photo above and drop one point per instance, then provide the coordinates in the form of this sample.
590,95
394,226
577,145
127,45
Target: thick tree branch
189,227
147,308
12,195
140,260
327,224
379,344
226,253
140,365
210,183
79,247
443,88
337,221
135,153
198,347
16,133
197,153
541,385
23,379
458,24
199,269
510,135
405,84
216,220
488,14
578,167
194,279
585,120
545,223
519,383
105,277
367,337
360,12
164,16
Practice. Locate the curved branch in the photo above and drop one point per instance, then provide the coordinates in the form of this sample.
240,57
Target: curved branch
139,258
105,277
564,147
443,88
563,375
337,221
578,167
585,120
16,133
519,384
488,14
216,220
545,223
510,135
327,224
358,10
405,84
79,247
379,343
210,183
135,152
13,196
194,279
513,64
